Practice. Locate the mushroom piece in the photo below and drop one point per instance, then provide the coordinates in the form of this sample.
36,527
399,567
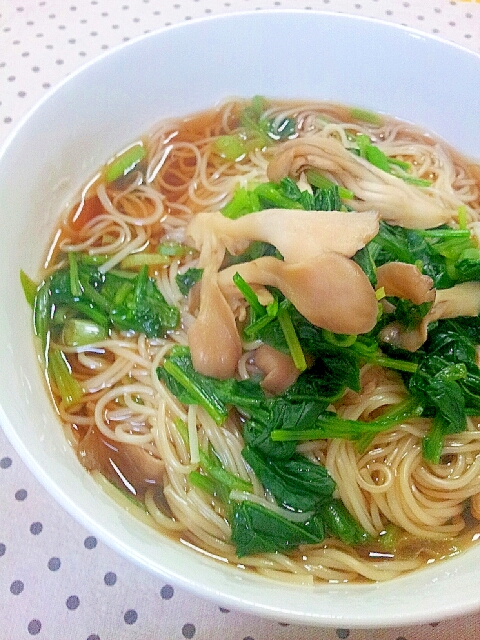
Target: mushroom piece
138,466
398,336
397,202
460,300
404,280
316,275
279,369
213,337
298,235
331,290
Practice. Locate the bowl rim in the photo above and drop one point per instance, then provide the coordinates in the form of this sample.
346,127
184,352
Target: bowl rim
242,599
113,51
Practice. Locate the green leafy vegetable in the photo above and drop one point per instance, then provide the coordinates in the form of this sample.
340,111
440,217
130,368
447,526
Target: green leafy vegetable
172,249
187,279
282,413
124,163
296,483
255,131
321,182
372,153
285,195
379,159
255,249
256,529
213,477
365,260
253,120
29,288
212,394
78,305
79,331
447,255
143,309
432,443
258,314
68,387
144,258
75,286
329,425
243,202
365,115
339,523
231,147
291,337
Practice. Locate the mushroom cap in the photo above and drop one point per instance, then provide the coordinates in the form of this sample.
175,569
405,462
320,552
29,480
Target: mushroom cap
397,201
331,291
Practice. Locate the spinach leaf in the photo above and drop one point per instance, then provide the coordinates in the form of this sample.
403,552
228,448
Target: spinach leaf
469,327
329,425
374,155
186,280
455,341
280,414
256,434
365,260
444,397
212,394
124,303
256,529
438,384
339,523
334,369
449,339
296,483
407,313
261,414
256,249
446,255
393,243
432,443
470,386
467,269
144,309
285,195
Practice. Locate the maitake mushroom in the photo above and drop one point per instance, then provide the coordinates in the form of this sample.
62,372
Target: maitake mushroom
396,201
460,300
316,275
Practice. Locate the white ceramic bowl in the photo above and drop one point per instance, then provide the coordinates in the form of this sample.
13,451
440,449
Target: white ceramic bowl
109,103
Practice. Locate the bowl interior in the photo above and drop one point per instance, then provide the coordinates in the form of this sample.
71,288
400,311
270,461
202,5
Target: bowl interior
105,106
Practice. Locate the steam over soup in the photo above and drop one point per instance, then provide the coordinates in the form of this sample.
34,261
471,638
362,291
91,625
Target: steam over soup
260,327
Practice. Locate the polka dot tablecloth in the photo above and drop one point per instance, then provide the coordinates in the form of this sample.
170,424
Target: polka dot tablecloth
57,581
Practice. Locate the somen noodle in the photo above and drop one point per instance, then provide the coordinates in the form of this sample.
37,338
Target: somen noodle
260,329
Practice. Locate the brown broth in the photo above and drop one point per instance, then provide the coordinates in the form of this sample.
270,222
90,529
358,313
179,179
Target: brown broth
121,465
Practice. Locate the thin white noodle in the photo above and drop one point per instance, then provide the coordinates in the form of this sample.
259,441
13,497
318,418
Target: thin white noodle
294,516
158,515
192,434
127,403
126,250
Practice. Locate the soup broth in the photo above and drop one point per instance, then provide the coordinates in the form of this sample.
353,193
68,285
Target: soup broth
260,329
